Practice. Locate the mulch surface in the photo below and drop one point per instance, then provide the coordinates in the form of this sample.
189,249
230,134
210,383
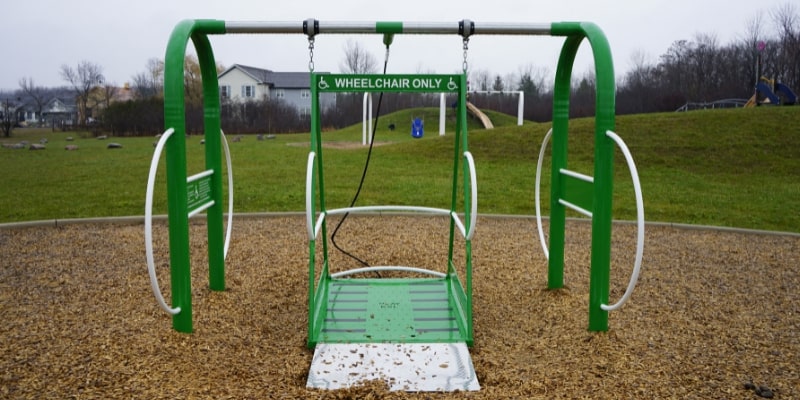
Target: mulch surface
716,315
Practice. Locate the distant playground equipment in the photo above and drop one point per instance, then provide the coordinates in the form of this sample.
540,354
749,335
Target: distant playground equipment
772,91
485,121
366,125
370,325
769,89
417,128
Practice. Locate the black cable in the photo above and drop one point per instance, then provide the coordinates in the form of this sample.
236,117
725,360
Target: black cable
363,173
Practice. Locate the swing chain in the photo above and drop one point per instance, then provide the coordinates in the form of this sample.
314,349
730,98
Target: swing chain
311,53
466,49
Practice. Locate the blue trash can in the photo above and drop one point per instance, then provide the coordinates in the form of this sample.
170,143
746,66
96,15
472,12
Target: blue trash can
417,128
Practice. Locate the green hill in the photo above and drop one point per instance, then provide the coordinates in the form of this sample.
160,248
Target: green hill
736,167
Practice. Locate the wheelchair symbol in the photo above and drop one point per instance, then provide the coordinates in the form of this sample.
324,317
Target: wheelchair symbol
322,84
452,85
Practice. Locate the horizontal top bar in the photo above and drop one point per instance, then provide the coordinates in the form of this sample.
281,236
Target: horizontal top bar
391,27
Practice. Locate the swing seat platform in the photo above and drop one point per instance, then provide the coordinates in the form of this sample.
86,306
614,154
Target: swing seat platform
409,332
404,310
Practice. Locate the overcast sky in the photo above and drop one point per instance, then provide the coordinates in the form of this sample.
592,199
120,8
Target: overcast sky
39,36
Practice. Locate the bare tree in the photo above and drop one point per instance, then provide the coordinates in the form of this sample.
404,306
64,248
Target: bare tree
788,23
8,117
532,83
104,95
357,60
754,30
83,79
704,74
480,80
510,81
150,83
37,94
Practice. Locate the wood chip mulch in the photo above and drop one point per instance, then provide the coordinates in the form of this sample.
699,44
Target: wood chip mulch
716,315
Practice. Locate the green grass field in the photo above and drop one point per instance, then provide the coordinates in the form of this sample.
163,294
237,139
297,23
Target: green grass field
738,168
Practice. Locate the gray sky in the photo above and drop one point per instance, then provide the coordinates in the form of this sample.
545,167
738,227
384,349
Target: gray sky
38,36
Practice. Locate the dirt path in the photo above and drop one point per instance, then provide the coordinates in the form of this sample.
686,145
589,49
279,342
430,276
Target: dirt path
713,312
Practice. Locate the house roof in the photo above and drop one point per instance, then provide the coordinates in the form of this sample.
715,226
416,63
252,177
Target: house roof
288,80
257,74
57,104
291,80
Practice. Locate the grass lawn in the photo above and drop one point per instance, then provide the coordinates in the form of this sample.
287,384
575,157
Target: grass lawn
718,167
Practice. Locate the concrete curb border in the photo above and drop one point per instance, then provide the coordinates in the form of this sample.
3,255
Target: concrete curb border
135,220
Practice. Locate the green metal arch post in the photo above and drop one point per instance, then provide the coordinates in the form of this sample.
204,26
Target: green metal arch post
175,117
603,167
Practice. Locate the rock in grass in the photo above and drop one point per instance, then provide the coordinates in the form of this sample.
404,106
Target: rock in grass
114,146
102,137
69,138
71,147
37,146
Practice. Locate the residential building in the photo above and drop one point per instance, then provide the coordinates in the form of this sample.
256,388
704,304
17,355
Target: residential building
58,111
243,83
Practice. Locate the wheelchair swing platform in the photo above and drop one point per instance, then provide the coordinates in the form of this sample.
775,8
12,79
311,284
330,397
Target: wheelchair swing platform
409,333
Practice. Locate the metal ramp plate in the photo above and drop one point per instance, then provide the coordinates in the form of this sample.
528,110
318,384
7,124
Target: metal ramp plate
391,310
413,367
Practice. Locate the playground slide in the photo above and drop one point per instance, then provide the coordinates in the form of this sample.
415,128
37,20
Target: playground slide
791,98
487,123
764,89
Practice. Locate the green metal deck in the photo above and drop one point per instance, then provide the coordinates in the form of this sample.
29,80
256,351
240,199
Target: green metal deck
423,310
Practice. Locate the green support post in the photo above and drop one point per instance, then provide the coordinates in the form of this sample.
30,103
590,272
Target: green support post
604,162
174,117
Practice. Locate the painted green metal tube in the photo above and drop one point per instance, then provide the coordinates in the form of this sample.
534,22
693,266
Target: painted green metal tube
561,96
174,117
389,27
604,159
311,340
213,152
462,93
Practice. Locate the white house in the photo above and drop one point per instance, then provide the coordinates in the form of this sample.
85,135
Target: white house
243,83
57,111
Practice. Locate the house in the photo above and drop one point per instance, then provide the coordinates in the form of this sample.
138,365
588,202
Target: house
62,108
243,83
60,111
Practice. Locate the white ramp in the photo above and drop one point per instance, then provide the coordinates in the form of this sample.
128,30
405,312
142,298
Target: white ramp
411,367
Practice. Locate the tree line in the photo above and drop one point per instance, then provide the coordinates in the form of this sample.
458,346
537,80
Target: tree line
700,69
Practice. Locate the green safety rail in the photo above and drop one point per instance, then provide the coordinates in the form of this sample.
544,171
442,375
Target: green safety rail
597,196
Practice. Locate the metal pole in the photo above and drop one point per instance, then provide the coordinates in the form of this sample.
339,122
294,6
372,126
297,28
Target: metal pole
384,27
442,114
366,123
